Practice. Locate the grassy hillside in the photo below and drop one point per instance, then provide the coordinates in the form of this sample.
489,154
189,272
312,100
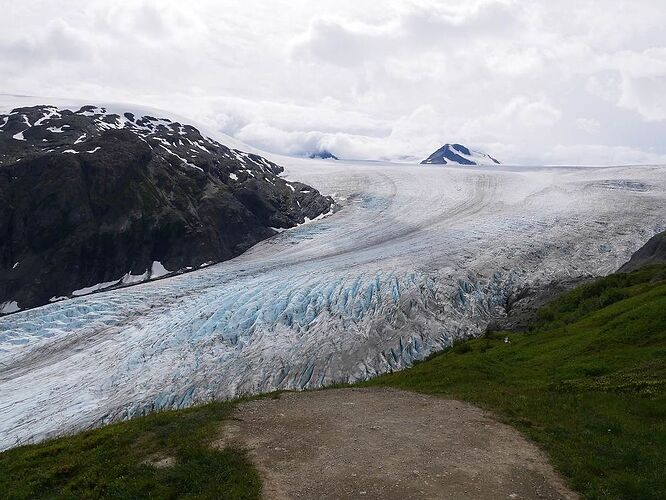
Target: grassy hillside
587,383
123,461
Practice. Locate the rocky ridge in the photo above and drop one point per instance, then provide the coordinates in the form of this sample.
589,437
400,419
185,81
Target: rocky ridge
653,252
91,199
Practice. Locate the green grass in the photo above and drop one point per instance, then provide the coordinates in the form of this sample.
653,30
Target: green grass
111,462
587,383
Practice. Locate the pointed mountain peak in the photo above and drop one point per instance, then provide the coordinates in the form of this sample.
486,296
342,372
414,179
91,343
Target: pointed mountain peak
457,154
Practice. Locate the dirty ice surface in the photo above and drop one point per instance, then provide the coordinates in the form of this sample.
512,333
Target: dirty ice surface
417,257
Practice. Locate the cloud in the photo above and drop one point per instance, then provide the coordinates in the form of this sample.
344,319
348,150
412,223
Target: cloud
643,81
527,81
424,26
588,125
407,138
528,113
600,155
520,119
58,41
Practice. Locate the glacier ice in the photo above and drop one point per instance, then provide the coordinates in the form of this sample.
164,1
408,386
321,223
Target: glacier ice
416,258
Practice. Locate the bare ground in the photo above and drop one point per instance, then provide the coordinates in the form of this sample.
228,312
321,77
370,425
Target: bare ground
385,443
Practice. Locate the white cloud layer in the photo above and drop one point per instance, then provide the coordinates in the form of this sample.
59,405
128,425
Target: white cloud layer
529,82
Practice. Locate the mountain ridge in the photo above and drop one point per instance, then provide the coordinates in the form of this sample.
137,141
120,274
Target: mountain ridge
91,199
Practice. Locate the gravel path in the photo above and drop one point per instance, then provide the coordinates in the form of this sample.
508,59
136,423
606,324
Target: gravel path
384,443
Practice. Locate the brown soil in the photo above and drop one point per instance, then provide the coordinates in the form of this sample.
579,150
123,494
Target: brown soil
384,443
160,461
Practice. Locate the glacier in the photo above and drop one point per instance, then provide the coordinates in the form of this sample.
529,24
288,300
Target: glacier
414,258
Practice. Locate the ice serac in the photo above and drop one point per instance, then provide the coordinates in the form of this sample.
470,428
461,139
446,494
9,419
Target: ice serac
457,154
91,199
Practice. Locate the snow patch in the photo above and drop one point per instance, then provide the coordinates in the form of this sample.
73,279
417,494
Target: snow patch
130,278
319,217
57,130
50,112
94,288
158,270
19,136
9,307
183,160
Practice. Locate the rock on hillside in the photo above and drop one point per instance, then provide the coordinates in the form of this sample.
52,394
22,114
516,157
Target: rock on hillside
653,252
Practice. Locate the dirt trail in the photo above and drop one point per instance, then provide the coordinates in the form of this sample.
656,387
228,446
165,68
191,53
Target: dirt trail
384,443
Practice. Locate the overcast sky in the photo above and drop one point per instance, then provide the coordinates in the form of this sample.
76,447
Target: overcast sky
531,81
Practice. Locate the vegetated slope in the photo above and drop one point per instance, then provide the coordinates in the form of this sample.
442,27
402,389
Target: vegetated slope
653,252
91,199
165,455
587,383
457,154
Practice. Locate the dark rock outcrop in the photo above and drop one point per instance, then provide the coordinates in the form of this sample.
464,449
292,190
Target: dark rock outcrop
653,252
89,198
323,155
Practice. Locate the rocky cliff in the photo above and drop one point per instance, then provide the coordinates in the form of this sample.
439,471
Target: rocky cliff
90,199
